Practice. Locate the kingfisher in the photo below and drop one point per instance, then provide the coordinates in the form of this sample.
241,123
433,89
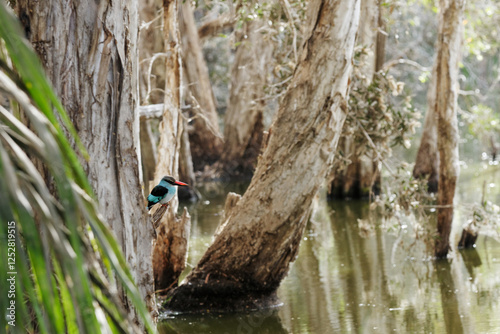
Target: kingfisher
164,191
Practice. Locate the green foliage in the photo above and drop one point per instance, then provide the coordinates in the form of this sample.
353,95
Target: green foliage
484,124
60,237
481,28
404,194
482,120
380,114
485,216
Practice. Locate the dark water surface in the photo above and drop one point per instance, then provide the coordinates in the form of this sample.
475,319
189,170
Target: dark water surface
355,277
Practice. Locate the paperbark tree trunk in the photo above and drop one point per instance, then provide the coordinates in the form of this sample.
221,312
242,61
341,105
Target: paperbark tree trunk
148,154
427,161
243,123
363,176
151,80
186,170
448,56
205,138
261,234
89,51
171,245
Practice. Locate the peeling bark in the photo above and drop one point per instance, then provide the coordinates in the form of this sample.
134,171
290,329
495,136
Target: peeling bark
260,238
171,124
170,250
205,138
186,170
231,200
448,56
170,253
89,51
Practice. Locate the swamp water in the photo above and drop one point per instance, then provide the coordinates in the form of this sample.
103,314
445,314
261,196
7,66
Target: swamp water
354,278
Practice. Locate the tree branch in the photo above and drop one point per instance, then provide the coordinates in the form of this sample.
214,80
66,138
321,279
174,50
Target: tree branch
213,27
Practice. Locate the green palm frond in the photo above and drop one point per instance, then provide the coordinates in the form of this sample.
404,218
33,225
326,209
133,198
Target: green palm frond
66,256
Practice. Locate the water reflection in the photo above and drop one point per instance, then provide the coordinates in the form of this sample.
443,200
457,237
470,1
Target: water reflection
265,322
348,279
355,277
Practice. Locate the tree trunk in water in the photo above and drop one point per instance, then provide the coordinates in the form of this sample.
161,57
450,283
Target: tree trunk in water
261,234
243,123
89,51
170,252
427,161
468,238
205,137
448,57
363,176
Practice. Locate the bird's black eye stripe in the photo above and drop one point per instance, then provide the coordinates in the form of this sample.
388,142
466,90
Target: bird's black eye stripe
169,179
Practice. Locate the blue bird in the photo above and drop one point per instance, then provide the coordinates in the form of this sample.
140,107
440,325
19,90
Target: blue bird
164,191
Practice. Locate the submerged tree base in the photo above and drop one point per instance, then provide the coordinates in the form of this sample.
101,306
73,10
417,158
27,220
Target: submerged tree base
218,296
468,239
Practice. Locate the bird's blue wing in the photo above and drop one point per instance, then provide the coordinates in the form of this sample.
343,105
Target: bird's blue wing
157,194
154,199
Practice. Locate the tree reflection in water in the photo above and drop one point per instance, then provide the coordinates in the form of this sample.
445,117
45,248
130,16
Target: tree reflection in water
354,277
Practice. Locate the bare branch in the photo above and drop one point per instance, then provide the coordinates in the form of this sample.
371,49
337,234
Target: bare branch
372,144
288,13
155,110
395,62
213,27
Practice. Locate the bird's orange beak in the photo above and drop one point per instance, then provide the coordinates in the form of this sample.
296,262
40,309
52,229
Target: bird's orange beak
179,183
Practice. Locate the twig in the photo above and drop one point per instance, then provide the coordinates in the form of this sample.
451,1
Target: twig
210,28
289,16
155,110
436,206
151,111
475,93
150,69
406,62
282,82
375,148
161,291
200,112
145,25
